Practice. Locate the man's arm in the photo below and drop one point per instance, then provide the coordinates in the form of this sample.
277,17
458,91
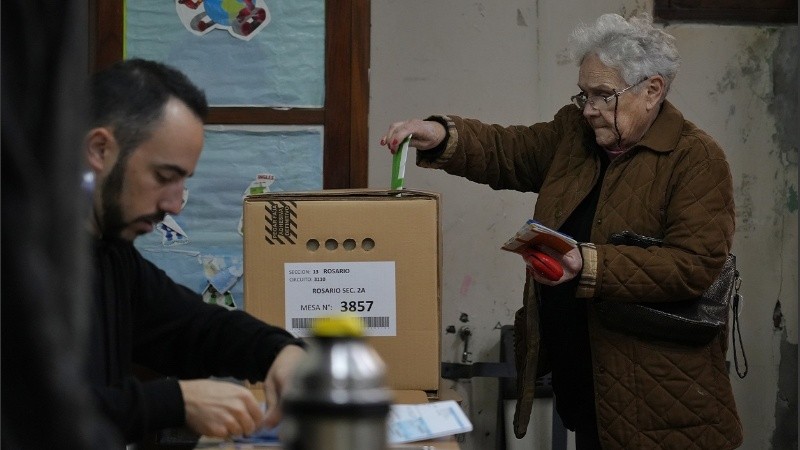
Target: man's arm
177,334
208,407
220,409
137,407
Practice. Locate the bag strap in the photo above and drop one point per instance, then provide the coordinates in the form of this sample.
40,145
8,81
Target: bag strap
737,327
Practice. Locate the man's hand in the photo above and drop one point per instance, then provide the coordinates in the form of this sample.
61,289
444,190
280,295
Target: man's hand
571,262
277,381
219,408
426,134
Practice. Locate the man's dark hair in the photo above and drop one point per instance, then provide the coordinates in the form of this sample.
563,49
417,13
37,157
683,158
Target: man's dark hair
130,96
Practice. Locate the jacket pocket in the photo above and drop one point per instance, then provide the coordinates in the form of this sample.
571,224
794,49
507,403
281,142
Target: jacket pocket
675,386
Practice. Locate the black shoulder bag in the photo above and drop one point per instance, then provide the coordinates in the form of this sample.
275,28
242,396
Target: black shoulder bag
691,322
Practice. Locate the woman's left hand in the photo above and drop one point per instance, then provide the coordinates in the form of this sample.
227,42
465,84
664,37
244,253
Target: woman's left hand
571,263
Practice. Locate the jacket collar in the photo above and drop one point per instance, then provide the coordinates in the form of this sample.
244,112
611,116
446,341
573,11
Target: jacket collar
664,133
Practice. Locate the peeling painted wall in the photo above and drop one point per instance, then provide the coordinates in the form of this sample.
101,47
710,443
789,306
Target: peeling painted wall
505,62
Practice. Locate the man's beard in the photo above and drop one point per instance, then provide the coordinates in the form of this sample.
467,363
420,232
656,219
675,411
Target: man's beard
112,222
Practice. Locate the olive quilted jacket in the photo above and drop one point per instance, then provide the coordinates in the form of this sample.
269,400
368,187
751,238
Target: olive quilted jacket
675,184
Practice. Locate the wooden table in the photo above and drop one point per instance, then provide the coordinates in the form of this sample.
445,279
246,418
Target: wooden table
447,444
436,444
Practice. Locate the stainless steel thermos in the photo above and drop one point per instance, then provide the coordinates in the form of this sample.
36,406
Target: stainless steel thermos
338,399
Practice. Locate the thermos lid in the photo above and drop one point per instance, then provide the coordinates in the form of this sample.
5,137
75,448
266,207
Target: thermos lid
342,373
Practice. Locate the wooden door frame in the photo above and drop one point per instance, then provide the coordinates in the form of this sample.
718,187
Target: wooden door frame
344,114
725,11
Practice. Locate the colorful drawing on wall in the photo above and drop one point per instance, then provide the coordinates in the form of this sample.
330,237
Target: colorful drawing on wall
279,64
259,186
171,228
222,274
202,247
243,19
171,231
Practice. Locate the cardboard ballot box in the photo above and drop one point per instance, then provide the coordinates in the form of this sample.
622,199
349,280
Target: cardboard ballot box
375,254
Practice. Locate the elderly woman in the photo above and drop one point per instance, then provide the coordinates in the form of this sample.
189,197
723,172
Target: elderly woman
620,157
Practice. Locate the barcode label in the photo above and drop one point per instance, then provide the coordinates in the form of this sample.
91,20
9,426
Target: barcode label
369,322
364,289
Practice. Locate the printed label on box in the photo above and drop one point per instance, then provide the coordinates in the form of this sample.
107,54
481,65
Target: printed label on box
364,289
280,226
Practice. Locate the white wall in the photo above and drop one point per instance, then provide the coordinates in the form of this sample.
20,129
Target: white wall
505,62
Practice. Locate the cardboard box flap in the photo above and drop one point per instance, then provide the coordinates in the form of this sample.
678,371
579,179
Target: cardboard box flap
343,194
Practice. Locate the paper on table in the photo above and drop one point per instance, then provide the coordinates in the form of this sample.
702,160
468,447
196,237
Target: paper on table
406,423
409,423
534,233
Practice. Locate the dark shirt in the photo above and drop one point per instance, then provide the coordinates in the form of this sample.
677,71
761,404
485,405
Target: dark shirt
565,328
142,317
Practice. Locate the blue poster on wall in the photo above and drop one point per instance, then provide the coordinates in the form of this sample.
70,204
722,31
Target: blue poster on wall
241,52
201,247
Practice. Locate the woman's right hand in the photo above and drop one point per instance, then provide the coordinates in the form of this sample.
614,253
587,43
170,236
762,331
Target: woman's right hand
426,134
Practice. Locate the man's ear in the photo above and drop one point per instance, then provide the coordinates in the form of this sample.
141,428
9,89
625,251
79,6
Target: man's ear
654,90
101,149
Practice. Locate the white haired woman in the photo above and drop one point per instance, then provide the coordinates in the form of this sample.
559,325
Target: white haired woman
620,157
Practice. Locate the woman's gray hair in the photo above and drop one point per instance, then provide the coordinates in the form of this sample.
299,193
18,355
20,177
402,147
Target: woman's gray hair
634,47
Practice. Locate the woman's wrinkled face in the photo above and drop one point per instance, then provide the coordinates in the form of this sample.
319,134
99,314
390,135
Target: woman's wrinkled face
632,116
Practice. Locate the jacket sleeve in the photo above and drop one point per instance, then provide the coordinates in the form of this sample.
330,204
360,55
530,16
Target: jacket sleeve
137,407
177,334
514,157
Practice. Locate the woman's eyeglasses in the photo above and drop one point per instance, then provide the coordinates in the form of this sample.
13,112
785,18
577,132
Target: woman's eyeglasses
599,102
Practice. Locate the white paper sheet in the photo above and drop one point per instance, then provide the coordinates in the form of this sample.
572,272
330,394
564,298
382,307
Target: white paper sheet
409,423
